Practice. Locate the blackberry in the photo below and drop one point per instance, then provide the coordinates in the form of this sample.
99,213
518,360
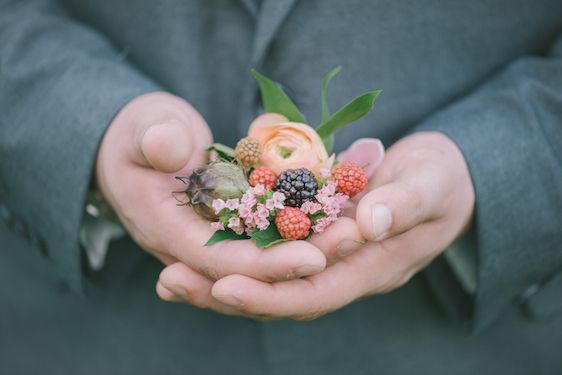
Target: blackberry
298,185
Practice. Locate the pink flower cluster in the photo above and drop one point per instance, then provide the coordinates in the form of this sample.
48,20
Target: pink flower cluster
328,201
257,208
251,211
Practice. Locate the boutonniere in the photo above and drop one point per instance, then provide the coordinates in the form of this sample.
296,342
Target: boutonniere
282,181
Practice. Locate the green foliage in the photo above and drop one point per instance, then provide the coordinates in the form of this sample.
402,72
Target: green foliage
349,113
224,235
266,238
224,152
327,78
275,100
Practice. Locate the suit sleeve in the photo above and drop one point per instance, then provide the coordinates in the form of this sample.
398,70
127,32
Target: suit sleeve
510,132
61,83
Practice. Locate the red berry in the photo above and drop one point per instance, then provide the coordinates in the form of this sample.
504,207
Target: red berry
262,175
292,223
349,178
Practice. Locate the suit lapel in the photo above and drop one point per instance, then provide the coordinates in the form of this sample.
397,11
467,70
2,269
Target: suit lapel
269,18
271,15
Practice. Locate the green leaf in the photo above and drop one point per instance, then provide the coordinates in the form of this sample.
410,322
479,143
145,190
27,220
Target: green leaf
266,238
224,235
349,113
225,152
329,143
275,100
325,81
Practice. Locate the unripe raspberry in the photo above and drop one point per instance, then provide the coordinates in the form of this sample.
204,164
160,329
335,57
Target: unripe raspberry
248,151
262,175
292,223
350,178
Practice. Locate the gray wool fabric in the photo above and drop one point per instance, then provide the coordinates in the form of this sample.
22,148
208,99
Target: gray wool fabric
487,73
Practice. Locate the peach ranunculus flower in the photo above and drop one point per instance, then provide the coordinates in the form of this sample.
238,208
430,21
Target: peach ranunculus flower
289,145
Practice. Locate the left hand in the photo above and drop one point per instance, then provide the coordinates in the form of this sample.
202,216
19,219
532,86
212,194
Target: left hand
419,201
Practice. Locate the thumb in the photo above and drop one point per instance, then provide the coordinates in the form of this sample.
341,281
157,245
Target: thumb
165,147
394,208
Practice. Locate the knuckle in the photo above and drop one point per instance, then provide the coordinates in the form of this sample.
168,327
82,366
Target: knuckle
210,272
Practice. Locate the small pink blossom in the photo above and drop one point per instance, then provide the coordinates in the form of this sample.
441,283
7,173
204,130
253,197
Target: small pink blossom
310,207
244,211
232,204
321,225
262,224
249,199
259,190
218,205
235,224
262,212
217,225
276,201
341,199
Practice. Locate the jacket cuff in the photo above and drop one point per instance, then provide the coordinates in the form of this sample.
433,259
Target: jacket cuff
509,132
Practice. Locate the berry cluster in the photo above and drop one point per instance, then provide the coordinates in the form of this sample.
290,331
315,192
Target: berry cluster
298,185
349,178
248,152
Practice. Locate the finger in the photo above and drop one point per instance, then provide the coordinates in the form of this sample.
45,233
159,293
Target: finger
305,298
164,258
375,268
366,152
339,240
182,234
166,294
280,262
179,283
163,133
166,147
400,205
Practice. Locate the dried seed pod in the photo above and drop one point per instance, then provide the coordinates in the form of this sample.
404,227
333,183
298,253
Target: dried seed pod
217,180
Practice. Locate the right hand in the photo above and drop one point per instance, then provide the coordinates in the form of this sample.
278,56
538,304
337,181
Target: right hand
153,138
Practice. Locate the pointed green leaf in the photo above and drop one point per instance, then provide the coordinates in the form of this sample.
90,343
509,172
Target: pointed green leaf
266,238
223,151
223,235
349,113
275,100
329,143
325,81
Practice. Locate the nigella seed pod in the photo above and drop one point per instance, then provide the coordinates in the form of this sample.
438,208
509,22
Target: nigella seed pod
220,180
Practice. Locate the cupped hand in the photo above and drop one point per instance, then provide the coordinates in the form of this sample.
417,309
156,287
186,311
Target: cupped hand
152,139
419,201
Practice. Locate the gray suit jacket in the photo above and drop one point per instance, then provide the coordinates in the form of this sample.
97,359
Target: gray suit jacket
486,73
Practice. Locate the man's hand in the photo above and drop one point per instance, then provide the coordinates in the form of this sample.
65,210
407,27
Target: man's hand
153,138
419,201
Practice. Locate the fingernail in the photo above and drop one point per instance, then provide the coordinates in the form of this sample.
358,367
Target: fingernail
178,291
347,247
229,300
306,270
382,219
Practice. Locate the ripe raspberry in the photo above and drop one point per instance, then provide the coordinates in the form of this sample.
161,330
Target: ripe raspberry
292,223
349,178
298,185
262,175
248,151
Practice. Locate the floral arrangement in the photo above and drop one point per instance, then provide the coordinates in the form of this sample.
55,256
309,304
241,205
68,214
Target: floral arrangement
282,181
